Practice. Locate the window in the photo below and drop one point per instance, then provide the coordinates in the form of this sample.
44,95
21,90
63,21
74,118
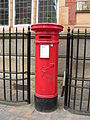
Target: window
47,11
4,12
22,12
83,5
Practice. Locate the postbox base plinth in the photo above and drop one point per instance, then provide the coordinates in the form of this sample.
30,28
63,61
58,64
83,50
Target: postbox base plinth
45,104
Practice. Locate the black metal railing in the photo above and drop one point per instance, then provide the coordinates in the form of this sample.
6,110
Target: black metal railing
77,82
15,62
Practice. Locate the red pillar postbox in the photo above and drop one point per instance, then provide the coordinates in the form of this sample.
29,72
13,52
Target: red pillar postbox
46,65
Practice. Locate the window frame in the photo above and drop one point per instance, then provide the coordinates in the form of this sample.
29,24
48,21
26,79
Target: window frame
21,25
1,26
82,11
57,12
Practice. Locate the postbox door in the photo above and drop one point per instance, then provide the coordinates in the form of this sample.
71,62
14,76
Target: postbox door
47,79
46,74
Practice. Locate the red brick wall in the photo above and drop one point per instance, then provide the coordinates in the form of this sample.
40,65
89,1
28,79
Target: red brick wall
72,15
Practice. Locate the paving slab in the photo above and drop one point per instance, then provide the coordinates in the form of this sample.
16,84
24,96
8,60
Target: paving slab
28,112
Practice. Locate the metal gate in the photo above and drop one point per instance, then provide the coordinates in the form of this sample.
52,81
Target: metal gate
15,65
77,82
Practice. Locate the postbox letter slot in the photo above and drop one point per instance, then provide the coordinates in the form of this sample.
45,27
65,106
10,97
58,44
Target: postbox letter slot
45,37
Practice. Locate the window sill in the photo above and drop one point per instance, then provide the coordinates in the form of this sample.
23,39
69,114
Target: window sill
82,11
2,26
22,25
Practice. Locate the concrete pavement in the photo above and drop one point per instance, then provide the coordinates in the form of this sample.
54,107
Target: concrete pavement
28,112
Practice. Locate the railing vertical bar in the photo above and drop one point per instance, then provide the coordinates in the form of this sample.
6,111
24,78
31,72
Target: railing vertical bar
83,71
23,62
16,70
70,69
76,70
28,64
67,68
10,64
89,84
4,66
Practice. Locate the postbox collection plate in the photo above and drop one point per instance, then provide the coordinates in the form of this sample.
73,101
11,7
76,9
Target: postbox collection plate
44,51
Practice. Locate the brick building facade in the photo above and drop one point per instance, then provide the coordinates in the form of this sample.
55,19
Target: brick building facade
73,13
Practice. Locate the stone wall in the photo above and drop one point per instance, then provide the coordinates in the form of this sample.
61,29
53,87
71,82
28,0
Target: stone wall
61,55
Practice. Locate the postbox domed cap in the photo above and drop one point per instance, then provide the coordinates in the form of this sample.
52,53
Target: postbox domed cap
47,27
